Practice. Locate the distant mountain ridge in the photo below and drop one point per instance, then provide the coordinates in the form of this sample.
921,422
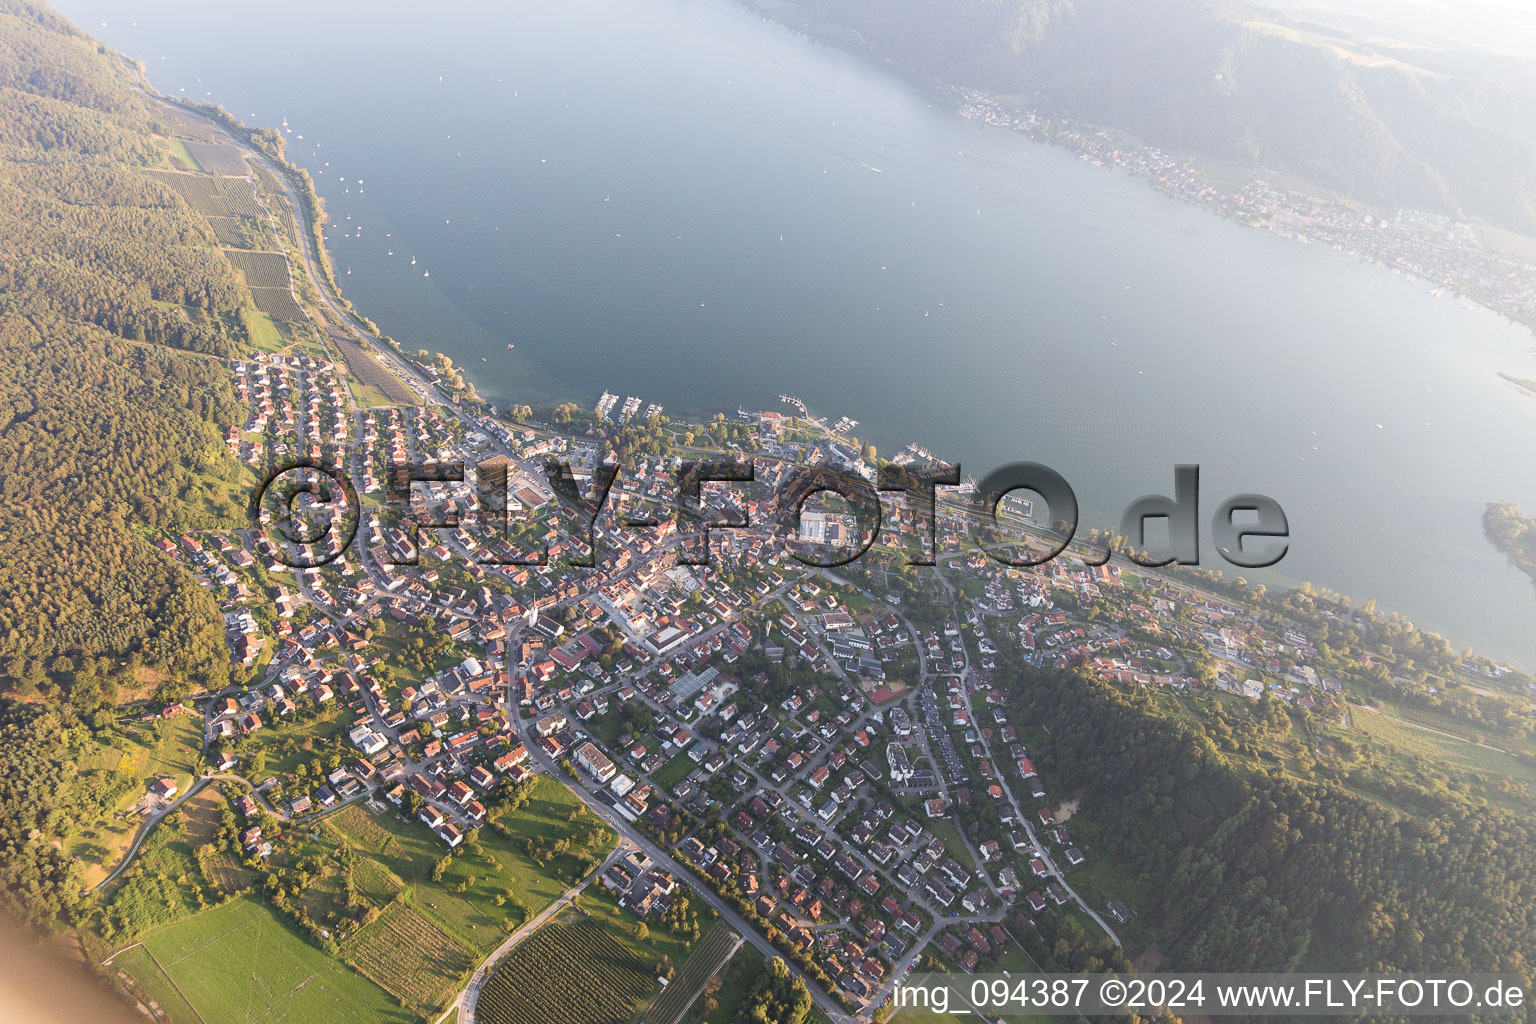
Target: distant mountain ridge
1234,83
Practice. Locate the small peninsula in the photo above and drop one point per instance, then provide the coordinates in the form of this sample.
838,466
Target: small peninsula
1513,534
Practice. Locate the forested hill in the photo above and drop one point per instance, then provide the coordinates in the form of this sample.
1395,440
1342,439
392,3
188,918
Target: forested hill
113,299
1255,871
1387,125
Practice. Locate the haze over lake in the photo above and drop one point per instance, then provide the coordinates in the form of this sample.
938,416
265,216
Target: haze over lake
687,203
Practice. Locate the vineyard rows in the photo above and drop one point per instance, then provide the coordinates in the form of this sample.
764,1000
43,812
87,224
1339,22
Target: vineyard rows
711,955
409,957
566,974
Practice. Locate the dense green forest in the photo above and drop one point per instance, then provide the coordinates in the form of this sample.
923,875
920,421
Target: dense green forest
113,294
43,787
1257,871
1384,123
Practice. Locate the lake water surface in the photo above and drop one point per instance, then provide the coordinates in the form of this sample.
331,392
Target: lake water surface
679,200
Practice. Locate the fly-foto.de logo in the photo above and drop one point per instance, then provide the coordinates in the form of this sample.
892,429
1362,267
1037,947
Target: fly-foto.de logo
314,512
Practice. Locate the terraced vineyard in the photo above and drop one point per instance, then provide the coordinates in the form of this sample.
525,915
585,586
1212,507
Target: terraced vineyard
409,957
228,203
267,275
671,1002
368,371
261,269
218,158
566,973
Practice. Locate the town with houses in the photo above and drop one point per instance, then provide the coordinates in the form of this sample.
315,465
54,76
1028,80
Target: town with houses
592,713
818,752
1452,257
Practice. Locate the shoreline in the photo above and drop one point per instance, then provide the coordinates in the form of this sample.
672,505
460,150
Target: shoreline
1076,135
356,323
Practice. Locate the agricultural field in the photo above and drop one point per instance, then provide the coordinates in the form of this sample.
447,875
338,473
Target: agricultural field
183,123
547,817
409,957
568,972
225,873
361,829
240,962
179,156
151,986
602,907
200,815
264,333
277,199
325,898
403,850
219,158
1425,741
327,895
211,196
371,880
374,882
238,234
713,951
163,884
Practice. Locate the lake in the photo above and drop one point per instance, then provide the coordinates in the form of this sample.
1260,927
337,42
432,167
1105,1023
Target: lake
683,201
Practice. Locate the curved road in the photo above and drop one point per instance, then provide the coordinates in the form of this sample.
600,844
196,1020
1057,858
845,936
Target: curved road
148,826
159,816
